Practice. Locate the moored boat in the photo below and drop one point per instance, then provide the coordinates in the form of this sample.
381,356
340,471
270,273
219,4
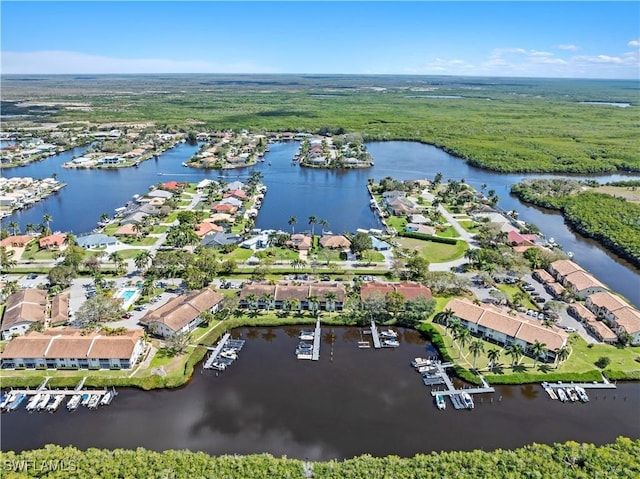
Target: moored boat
582,394
390,343
468,401
44,401
57,400
388,333
571,394
229,354
16,402
306,335
33,402
85,399
562,395
74,402
417,362
94,401
440,402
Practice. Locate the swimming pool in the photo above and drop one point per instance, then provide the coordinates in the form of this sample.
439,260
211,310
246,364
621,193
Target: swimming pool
128,296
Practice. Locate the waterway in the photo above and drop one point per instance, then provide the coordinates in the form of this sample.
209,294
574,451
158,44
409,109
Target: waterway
338,196
353,401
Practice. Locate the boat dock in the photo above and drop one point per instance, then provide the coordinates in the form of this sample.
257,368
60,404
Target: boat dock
315,352
215,351
606,385
224,353
375,336
440,376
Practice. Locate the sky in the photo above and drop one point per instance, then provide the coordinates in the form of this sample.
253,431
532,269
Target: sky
513,39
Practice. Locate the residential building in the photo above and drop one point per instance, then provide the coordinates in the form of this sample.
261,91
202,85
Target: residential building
59,310
619,314
54,241
73,349
597,328
330,296
182,314
409,290
96,241
498,326
300,242
22,309
218,240
335,242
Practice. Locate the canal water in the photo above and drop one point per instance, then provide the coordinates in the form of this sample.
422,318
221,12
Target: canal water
353,401
338,196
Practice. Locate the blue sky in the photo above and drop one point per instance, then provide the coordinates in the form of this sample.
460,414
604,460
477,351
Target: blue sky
539,39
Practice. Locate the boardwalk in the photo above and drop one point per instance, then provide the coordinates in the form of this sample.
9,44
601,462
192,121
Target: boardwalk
374,334
215,352
315,354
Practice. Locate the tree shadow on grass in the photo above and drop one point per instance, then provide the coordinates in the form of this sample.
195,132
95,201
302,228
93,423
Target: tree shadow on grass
545,368
519,368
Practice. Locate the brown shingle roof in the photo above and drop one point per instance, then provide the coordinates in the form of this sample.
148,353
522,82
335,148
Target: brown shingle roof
180,311
374,289
287,291
580,280
31,345
59,309
465,310
115,347
412,291
629,319
259,289
500,322
69,347
544,276
26,305
582,312
335,241
564,267
607,300
321,290
553,339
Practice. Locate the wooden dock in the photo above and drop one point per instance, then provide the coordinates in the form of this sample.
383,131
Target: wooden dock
452,392
374,335
215,351
315,353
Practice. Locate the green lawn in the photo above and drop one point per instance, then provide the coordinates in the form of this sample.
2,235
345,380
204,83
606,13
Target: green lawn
470,226
448,232
278,254
158,230
396,222
510,290
33,251
239,254
146,241
434,252
129,253
110,229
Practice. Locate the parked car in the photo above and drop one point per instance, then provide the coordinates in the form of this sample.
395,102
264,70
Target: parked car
32,276
538,299
126,315
569,329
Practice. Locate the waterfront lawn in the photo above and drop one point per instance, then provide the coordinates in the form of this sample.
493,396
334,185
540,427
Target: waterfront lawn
625,362
33,252
434,252
110,229
396,222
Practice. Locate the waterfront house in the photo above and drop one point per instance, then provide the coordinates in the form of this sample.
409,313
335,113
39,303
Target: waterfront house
573,277
330,296
421,229
22,309
137,217
157,193
171,185
224,208
182,314
96,241
619,314
299,241
378,244
218,240
16,241
495,325
238,194
235,185
515,238
335,242
54,241
258,242
73,349
126,229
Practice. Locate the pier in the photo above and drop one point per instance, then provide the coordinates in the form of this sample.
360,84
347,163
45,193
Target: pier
315,353
453,393
375,336
605,385
215,351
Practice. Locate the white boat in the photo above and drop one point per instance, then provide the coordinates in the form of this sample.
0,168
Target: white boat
306,335
468,401
6,399
229,354
85,399
388,333
107,398
219,366
572,394
33,402
440,402
74,402
390,343
561,394
94,401
549,391
55,404
43,402
417,362
582,394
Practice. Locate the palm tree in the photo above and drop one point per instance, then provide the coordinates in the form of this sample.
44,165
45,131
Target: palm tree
462,335
324,223
267,299
47,218
298,263
330,299
493,355
137,229
515,350
312,221
142,259
314,303
30,228
476,347
292,221
116,258
252,301
445,318
7,260
562,355
13,225
539,350
104,217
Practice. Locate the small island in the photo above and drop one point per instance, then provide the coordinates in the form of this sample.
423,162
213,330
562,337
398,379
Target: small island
229,149
343,151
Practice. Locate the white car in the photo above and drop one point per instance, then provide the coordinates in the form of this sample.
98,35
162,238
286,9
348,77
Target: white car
569,329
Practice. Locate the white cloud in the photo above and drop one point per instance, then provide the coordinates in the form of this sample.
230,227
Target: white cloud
633,43
568,46
54,62
598,59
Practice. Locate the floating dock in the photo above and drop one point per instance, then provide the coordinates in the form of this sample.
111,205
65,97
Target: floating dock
375,336
606,385
441,377
224,353
315,352
215,351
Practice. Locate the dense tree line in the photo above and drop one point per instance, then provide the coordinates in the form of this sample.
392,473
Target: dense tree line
568,460
614,222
